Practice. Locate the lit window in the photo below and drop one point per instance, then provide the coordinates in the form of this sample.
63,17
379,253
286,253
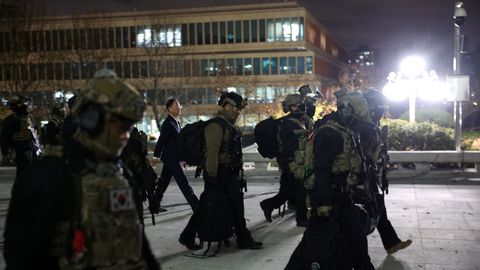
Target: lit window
170,36
287,30
295,29
148,37
270,30
163,35
140,39
309,60
177,35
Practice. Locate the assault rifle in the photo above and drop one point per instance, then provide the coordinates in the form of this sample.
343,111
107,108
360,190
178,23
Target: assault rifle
150,183
366,172
384,158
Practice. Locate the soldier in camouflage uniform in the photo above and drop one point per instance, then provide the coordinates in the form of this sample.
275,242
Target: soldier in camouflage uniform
337,165
223,168
290,128
373,142
74,209
19,138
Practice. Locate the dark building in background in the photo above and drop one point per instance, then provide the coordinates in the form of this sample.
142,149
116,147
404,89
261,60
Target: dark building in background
261,51
363,63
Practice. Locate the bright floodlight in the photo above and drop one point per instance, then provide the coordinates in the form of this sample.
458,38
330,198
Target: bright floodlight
412,66
395,91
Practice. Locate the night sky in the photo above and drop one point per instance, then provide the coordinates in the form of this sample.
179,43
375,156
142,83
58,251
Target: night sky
395,28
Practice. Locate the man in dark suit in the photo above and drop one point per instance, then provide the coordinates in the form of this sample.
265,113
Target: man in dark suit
167,152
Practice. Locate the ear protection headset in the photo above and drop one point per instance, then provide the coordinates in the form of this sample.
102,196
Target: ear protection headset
91,119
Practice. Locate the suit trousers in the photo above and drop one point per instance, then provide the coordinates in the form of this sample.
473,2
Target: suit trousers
174,169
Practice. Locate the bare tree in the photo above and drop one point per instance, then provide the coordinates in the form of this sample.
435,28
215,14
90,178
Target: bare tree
166,63
19,24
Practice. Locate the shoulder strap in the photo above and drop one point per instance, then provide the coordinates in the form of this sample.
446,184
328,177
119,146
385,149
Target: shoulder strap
333,125
296,121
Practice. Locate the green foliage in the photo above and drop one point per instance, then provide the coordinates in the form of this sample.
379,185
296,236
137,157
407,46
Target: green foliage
418,136
435,115
471,140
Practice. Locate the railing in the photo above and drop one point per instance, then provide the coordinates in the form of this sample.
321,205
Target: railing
250,154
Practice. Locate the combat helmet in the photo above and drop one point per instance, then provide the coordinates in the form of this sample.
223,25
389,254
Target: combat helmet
107,94
18,104
233,99
293,99
376,102
375,99
353,106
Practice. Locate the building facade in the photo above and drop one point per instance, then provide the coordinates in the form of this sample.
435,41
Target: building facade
363,63
262,51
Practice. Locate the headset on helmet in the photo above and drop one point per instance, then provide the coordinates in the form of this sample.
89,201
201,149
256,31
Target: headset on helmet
107,94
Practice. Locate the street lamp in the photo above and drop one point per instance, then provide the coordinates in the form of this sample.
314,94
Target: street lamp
412,67
459,16
414,81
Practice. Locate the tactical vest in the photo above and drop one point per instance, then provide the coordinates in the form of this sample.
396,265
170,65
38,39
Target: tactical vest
107,216
231,148
349,161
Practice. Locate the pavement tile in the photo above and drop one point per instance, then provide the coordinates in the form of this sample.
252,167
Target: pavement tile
441,216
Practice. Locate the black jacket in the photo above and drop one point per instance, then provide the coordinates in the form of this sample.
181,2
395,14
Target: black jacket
166,147
43,196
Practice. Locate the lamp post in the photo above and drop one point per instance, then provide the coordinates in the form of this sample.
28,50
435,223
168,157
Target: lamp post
412,67
459,16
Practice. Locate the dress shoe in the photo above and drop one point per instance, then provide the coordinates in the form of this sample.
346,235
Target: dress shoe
400,245
250,245
266,211
191,245
160,210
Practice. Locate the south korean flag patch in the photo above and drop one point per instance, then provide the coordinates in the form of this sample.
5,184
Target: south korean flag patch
121,200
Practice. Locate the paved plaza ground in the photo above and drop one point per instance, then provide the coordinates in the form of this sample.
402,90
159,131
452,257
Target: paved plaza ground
439,211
